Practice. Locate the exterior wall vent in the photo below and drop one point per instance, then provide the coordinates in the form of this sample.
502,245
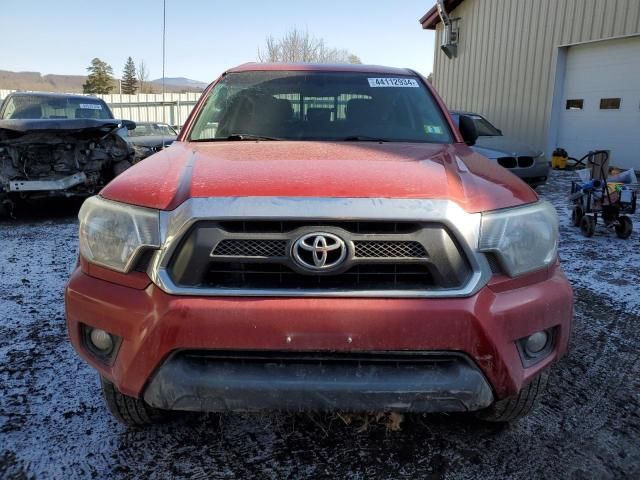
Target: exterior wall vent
450,32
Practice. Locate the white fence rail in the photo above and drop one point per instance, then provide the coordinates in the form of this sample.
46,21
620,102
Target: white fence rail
147,107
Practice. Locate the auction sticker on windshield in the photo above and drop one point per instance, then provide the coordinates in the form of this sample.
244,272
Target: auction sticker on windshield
91,106
393,82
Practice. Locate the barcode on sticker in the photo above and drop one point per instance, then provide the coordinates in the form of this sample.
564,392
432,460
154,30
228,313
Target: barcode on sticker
392,82
91,106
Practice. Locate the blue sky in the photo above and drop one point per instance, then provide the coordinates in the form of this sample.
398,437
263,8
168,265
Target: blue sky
203,37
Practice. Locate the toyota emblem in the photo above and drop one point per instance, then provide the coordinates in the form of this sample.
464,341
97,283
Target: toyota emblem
319,251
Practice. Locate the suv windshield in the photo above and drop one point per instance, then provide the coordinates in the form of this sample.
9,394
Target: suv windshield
29,107
293,105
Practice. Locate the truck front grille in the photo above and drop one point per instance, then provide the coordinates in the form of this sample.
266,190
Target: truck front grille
278,249
259,256
278,276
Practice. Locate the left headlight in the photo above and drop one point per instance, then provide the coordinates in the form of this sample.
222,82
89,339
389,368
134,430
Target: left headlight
113,234
523,238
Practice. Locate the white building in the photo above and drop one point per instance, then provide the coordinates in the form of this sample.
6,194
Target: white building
548,72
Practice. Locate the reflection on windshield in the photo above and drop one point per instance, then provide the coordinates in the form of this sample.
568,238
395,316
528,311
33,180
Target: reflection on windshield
320,106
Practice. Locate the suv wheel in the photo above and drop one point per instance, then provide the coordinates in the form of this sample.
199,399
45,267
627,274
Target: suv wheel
129,410
517,406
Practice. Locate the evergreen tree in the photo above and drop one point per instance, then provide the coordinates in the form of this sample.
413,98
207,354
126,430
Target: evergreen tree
129,78
100,79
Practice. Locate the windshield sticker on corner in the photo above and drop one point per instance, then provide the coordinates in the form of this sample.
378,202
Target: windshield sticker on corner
91,106
393,82
433,129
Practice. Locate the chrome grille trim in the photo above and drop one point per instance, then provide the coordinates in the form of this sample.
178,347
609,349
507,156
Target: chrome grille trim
464,226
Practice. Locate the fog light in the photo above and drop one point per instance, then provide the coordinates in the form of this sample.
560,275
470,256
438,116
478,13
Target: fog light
101,340
535,343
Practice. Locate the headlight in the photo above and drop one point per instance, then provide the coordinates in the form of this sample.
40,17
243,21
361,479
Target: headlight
523,238
112,234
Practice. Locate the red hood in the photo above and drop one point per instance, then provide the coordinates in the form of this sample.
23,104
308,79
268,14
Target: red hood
318,169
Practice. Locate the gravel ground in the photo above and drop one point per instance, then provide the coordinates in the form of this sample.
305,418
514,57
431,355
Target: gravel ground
53,423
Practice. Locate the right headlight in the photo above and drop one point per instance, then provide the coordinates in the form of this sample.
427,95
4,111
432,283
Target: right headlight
113,234
523,238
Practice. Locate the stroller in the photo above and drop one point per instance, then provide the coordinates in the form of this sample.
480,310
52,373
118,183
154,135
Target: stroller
594,197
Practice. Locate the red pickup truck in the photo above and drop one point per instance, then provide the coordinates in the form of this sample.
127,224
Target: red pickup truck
319,238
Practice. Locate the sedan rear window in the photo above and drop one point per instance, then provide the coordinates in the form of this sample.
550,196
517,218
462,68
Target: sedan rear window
29,107
293,105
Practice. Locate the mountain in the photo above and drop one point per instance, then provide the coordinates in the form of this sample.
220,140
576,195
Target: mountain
181,82
73,83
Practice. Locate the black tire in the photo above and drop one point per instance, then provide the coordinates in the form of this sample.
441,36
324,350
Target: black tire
587,225
517,406
129,410
624,227
576,215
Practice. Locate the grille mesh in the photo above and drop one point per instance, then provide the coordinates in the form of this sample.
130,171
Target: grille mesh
250,248
389,249
525,162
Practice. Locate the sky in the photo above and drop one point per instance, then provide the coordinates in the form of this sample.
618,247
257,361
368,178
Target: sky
203,38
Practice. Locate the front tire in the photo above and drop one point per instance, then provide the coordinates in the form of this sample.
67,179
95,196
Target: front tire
517,406
131,411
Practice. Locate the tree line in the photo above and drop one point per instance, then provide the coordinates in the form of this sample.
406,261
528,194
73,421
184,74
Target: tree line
299,46
100,79
293,47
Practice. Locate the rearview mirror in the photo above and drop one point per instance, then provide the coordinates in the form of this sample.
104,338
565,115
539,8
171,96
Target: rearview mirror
468,130
128,124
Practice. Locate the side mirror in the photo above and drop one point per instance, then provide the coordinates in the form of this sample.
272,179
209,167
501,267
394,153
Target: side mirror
128,124
468,130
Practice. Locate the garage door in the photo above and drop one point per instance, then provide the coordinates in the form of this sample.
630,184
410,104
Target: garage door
601,101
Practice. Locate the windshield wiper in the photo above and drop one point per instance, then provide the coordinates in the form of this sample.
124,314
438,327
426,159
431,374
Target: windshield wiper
237,137
248,136
364,138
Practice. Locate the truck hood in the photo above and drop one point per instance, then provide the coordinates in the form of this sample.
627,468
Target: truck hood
318,169
10,128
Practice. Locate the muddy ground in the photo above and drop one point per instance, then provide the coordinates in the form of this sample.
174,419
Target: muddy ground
53,423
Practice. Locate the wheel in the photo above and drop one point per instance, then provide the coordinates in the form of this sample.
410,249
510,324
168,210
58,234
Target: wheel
576,215
587,225
517,406
624,227
129,410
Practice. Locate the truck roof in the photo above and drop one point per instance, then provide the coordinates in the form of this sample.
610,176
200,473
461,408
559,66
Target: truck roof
320,67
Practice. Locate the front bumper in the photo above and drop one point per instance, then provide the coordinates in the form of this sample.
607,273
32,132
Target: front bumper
483,328
252,381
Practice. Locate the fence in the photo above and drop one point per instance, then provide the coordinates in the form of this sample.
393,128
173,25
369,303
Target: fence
147,107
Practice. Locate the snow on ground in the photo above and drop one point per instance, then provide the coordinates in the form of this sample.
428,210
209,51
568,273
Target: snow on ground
53,423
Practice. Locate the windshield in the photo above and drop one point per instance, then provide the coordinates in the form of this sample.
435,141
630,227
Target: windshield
152,130
28,107
292,105
485,129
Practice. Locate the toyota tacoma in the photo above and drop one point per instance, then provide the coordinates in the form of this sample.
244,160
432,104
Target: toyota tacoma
319,238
